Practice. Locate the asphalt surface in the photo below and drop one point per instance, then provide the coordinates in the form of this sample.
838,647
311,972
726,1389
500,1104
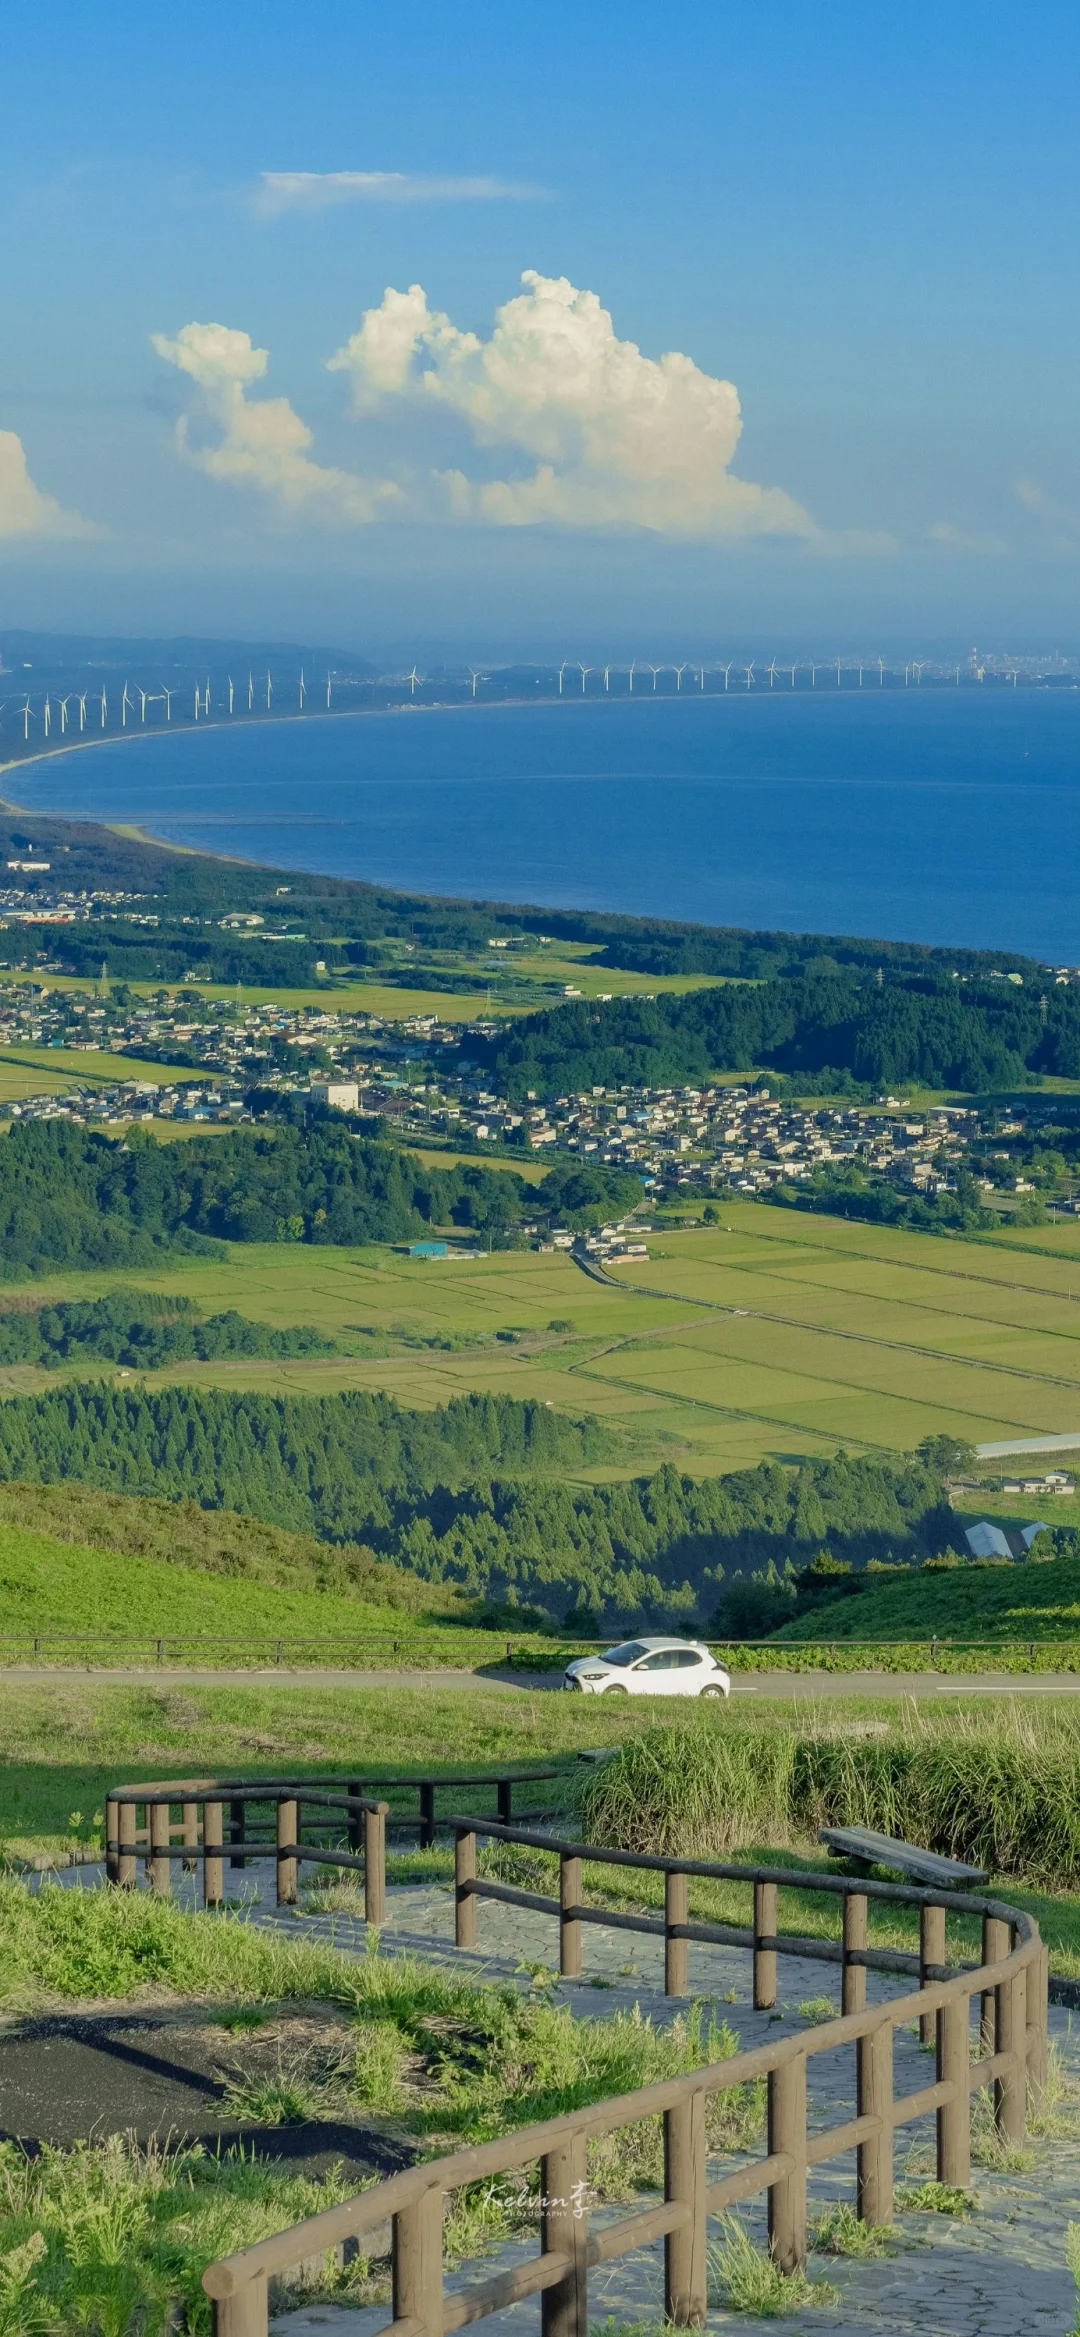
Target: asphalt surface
814,1685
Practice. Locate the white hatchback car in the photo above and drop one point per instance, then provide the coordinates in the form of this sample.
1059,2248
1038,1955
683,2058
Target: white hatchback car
649,1667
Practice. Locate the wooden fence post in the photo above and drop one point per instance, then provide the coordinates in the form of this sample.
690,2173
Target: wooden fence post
247,2314
564,2227
853,1975
213,1874
875,2096
676,1907
191,1835
464,1901
931,1951
125,1862
112,1863
160,1878
1010,2088
995,1945
569,1923
685,2281
764,1957
1037,1989
375,1864
787,2135
427,1817
418,2263
286,1863
954,2117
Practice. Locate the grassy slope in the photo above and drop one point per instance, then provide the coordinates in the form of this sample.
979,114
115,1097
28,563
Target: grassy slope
980,1601
66,1587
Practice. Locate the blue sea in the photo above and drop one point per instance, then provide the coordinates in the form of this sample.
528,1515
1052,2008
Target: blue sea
924,815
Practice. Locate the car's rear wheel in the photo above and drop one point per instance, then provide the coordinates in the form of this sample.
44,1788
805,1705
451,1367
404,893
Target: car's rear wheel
712,1691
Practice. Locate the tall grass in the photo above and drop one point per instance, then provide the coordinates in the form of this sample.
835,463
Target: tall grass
1001,1792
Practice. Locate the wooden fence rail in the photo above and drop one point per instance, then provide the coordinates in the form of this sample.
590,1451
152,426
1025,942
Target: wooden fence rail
1009,1984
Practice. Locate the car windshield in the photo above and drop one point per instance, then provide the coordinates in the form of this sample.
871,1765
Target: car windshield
628,1653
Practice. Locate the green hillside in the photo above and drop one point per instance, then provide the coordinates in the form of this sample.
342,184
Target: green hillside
47,1585
986,1599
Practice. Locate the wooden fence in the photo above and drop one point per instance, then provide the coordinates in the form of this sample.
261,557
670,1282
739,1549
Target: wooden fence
318,1821
1010,1982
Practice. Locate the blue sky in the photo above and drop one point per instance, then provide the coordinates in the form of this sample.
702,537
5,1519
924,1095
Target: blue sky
868,228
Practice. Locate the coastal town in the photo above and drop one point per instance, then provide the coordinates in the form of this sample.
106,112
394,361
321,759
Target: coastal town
413,1080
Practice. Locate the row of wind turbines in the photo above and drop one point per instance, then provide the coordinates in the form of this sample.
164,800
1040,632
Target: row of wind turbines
92,707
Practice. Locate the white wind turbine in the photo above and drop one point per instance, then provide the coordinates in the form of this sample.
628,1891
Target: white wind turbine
230,693
726,671
25,712
269,691
917,665
142,696
881,673
562,670
167,699
82,709
838,673
302,689
679,672
907,675
654,670
749,672
607,677
48,714
64,703
104,709
476,674
700,670
860,677
329,690
412,680
813,675
633,663
251,693
198,701
794,671
772,673
585,671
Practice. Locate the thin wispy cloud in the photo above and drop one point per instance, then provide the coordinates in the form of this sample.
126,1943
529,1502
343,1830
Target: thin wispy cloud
321,190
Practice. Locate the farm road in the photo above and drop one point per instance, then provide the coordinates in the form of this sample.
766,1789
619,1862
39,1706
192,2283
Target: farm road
814,1684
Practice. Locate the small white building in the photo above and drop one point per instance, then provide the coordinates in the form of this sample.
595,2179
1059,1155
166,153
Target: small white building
339,1095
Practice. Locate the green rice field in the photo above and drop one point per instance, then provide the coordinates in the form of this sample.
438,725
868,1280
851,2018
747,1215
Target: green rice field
768,1334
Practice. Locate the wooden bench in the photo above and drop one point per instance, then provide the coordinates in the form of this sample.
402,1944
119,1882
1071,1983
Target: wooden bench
865,1849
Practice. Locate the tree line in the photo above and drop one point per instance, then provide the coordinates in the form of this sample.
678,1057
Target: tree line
71,1196
476,1495
882,1027
143,1330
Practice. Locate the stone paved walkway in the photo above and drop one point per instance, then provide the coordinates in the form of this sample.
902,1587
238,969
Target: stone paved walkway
1000,2272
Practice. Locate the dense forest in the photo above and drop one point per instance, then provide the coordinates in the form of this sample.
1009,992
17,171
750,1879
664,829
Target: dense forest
475,1495
71,1196
144,1330
973,1034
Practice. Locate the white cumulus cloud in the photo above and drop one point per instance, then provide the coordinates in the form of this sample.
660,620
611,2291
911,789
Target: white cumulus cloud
24,510
262,442
318,190
575,428
615,437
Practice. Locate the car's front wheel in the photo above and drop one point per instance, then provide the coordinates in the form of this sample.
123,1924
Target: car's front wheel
712,1691
616,1689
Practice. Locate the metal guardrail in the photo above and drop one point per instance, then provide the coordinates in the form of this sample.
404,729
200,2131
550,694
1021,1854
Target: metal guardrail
1010,1980
170,1647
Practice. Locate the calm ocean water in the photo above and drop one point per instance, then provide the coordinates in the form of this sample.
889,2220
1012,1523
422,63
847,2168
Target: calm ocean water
922,814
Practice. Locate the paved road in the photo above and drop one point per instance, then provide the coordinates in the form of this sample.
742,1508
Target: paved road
797,1685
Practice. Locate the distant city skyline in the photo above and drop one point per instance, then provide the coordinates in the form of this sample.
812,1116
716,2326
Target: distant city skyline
490,333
